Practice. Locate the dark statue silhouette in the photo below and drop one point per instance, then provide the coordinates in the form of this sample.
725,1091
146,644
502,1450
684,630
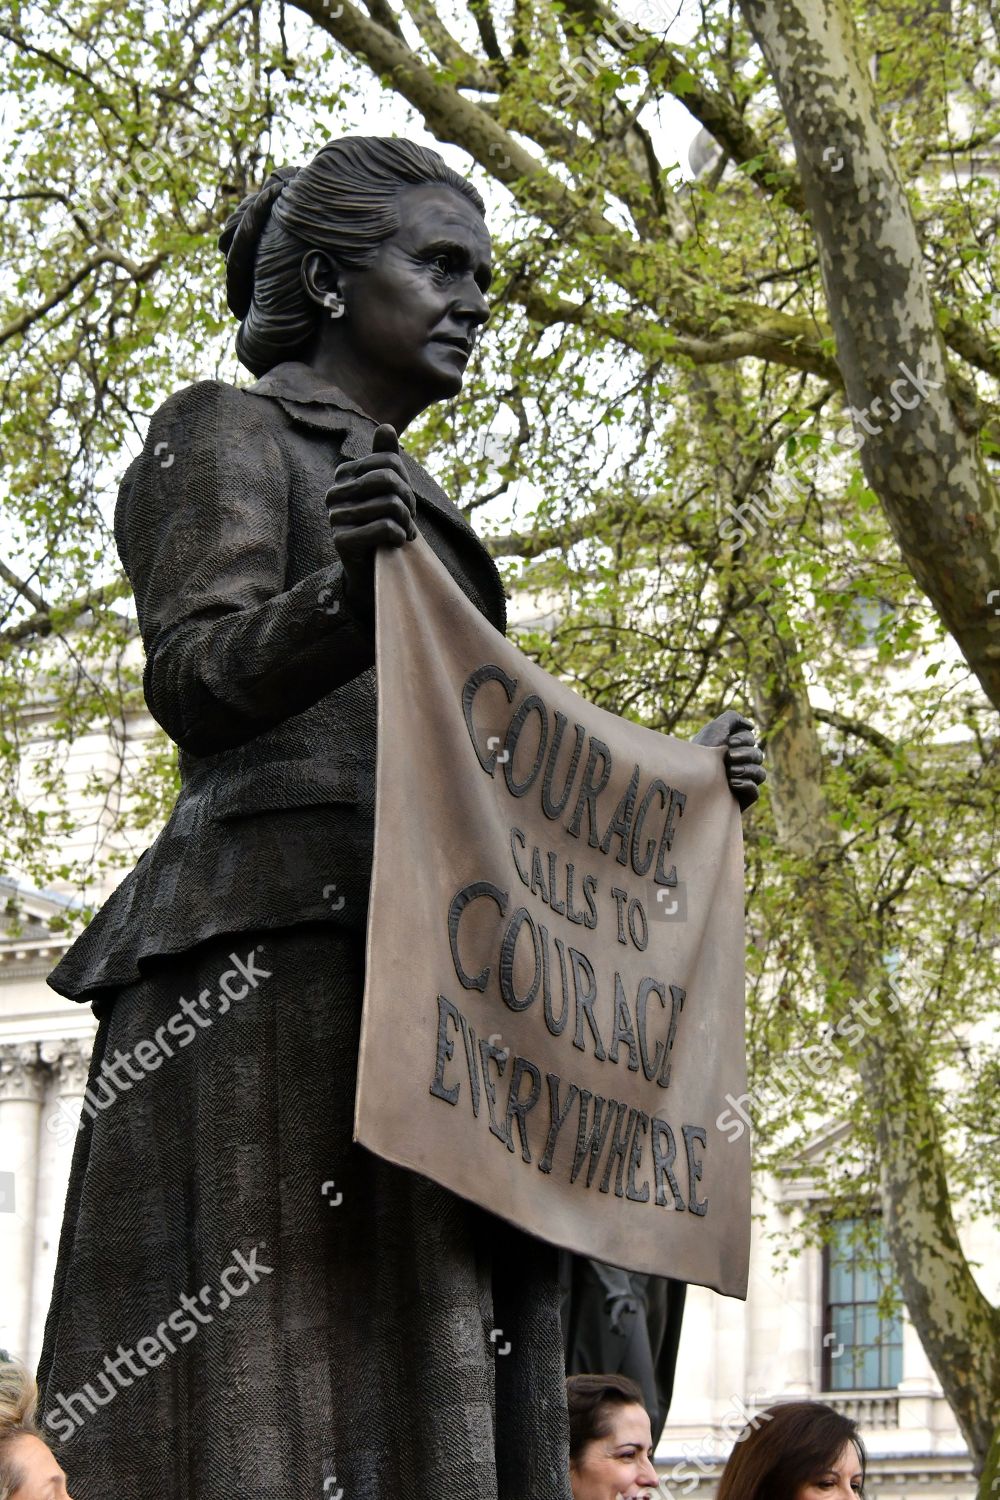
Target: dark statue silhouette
245,1302
618,1322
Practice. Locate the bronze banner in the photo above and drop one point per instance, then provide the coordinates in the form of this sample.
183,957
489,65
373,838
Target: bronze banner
554,995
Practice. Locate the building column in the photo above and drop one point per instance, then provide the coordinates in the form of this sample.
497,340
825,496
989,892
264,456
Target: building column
808,1379
67,1066
22,1087
783,1309
918,1372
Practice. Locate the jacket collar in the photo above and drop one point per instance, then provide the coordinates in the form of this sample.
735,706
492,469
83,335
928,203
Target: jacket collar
320,404
313,402
296,384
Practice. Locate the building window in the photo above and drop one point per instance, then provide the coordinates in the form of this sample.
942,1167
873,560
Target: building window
862,1344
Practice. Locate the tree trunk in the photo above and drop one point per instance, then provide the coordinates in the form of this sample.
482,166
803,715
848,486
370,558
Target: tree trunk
919,454
958,1327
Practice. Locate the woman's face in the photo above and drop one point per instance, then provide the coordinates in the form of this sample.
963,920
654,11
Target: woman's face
842,1482
619,1466
411,318
41,1477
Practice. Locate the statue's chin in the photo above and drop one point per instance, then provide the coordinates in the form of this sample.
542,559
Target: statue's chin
445,385
445,365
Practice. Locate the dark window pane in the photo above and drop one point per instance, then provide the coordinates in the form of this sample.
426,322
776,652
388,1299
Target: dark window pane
837,1348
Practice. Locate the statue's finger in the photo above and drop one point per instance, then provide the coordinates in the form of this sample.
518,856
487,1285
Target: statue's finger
386,439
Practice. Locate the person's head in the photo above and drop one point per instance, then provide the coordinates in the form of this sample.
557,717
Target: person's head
610,1444
371,263
28,1470
796,1450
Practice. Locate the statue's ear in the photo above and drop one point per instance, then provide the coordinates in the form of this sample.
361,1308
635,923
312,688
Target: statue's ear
321,277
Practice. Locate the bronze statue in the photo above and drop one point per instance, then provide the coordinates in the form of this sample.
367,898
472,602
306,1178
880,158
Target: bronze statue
246,1303
618,1322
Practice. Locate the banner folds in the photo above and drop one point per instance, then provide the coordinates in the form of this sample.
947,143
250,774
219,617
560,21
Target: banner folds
554,996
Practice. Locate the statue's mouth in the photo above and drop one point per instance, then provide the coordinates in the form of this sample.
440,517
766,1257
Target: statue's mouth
454,341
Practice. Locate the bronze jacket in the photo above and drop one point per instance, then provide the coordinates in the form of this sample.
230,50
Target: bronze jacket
255,668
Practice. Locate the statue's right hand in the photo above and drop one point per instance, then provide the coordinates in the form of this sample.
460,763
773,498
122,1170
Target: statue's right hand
370,505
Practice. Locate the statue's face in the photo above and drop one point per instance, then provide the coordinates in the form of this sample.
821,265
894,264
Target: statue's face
412,316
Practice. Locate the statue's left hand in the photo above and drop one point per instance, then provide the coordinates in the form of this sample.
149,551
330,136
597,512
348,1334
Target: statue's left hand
621,1311
744,769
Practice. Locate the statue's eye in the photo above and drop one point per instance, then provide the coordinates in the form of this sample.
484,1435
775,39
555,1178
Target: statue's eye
442,262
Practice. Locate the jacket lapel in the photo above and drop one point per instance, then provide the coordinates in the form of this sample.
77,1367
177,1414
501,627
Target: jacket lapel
328,409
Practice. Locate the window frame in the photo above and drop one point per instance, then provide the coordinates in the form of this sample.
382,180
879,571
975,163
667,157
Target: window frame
881,1268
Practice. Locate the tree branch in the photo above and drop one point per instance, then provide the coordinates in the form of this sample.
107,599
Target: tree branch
55,617
857,727
469,71
920,453
24,589
785,340
138,273
942,508
971,344
487,34
383,15
710,108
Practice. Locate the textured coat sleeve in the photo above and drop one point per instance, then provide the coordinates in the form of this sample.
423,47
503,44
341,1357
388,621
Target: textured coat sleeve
202,527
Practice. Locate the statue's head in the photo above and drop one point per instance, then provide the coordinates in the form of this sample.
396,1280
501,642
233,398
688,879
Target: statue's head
373,260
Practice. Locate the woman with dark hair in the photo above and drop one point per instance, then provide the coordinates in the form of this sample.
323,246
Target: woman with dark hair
610,1443
798,1450
358,1349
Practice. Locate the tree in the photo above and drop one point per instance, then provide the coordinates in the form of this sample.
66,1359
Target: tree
667,363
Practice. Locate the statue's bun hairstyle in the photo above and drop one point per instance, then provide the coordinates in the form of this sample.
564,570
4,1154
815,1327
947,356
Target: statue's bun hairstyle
345,202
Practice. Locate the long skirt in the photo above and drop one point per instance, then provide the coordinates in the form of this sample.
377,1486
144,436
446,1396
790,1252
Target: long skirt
249,1304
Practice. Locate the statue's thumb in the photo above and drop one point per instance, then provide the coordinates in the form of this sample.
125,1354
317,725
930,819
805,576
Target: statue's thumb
385,439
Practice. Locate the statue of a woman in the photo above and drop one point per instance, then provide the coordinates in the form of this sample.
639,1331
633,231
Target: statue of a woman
246,1303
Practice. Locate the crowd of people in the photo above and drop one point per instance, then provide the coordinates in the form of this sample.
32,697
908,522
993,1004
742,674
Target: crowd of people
795,1450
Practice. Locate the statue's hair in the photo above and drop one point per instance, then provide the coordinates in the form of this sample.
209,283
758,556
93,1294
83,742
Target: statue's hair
344,202
18,1399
